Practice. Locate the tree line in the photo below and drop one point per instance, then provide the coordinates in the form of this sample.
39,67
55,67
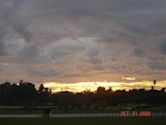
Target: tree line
25,94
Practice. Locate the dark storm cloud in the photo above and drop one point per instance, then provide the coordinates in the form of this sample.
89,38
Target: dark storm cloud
100,37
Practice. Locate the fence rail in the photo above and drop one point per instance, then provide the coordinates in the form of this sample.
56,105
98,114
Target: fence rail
20,116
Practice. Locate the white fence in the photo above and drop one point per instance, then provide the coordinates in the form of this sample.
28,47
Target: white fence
90,115
84,115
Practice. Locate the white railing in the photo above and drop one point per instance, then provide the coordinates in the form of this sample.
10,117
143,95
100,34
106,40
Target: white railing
20,116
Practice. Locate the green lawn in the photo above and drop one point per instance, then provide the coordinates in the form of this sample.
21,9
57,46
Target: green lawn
90,121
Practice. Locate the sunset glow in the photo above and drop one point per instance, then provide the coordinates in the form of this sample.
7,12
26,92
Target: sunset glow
129,78
92,86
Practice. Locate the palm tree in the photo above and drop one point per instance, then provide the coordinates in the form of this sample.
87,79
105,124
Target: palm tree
154,83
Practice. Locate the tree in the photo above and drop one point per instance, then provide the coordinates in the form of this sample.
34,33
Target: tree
41,88
101,90
154,83
110,91
163,89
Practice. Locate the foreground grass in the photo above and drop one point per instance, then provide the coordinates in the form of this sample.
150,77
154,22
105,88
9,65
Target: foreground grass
90,121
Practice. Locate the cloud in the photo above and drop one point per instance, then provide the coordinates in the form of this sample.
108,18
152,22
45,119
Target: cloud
30,51
3,49
139,53
129,78
83,40
162,48
159,65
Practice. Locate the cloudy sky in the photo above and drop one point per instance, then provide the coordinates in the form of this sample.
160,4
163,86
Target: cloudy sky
69,41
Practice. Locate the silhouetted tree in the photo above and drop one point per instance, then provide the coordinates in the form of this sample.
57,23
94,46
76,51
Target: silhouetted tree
41,88
101,91
163,89
26,94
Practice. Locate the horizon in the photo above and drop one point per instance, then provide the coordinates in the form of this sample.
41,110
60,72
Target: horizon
92,86
83,41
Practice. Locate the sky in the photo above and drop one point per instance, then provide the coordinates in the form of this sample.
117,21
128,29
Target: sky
71,41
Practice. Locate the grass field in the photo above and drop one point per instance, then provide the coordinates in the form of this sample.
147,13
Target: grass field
100,121
70,111
112,109
84,121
